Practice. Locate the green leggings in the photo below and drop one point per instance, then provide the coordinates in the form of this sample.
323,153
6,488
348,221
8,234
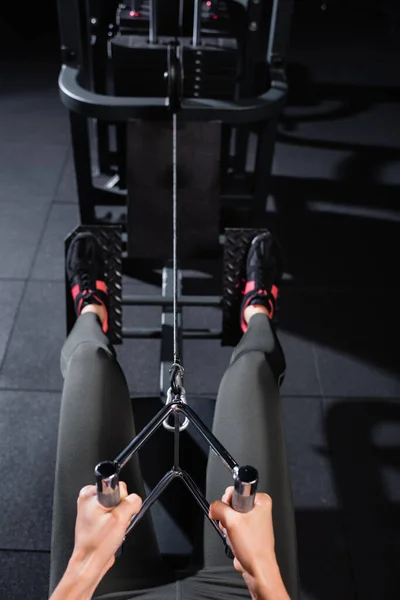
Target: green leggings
96,423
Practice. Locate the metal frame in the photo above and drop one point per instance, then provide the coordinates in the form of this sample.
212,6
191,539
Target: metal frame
257,24
82,101
245,479
165,331
83,88
279,34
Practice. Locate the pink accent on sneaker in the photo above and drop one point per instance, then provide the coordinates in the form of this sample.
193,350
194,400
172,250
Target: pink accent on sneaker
75,291
243,323
79,307
105,322
274,293
250,285
101,285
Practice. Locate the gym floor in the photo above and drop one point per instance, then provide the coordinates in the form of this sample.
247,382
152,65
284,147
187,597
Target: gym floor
334,205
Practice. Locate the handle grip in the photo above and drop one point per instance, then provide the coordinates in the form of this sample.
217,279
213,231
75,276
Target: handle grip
244,495
107,483
245,489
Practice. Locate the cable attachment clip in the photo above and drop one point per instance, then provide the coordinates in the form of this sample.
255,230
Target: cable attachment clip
184,423
177,395
176,379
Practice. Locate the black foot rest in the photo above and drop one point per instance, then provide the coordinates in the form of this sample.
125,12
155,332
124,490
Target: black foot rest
237,243
110,239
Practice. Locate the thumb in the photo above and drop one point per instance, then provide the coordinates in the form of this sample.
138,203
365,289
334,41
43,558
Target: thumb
238,567
129,506
219,511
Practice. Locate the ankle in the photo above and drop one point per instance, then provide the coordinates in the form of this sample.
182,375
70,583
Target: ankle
255,309
98,309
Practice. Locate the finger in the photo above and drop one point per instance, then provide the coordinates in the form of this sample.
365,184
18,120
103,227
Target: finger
111,563
123,490
237,566
129,506
87,492
220,512
227,497
263,500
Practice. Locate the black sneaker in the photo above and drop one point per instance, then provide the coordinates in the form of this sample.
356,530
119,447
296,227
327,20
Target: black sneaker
263,275
85,273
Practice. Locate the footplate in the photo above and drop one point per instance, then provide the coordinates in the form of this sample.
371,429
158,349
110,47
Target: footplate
237,243
110,239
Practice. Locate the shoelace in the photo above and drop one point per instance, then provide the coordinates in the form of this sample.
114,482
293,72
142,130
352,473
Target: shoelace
84,278
262,269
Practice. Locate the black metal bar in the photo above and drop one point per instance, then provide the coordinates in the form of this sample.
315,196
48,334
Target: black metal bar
214,443
121,153
118,108
225,161
263,170
139,333
101,17
248,80
257,26
156,421
156,333
153,22
151,498
197,23
159,489
103,146
201,499
176,440
280,29
83,167
68,14
142,300
144,435
245,478
162,485
202,334
108,197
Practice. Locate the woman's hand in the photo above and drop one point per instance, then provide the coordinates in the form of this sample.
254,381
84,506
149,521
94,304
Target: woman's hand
99,532
251,536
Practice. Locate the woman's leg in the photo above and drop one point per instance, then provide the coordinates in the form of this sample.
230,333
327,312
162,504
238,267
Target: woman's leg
248,421
96,423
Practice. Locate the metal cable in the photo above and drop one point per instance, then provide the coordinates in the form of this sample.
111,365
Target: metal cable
176,371
181,9
175,234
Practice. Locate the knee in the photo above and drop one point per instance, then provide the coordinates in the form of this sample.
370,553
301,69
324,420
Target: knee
90,353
